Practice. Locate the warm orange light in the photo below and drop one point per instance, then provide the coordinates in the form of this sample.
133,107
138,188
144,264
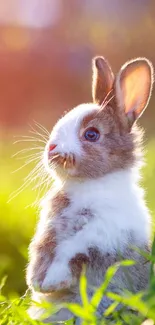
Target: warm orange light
16,39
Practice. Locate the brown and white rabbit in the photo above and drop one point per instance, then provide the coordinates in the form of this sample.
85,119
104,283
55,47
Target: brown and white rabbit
96,209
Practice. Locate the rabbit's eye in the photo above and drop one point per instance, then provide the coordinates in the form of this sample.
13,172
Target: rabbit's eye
92,134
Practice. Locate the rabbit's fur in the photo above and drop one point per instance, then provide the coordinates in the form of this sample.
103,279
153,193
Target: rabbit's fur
96,209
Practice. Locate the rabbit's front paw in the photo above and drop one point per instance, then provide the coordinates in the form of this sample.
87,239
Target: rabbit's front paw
57,277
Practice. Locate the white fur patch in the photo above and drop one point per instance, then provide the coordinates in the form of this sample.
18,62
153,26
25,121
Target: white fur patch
57,274
65,132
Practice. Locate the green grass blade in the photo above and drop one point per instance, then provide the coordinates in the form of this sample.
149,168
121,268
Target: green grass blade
108,277
83,288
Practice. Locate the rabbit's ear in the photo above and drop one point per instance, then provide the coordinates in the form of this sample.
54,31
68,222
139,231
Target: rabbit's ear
103,79
133,87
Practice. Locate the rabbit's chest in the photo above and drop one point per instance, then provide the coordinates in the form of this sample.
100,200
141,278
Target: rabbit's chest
71,221
83,217
100,214
79,211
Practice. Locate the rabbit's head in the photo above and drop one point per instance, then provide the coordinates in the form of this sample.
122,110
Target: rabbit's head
94,139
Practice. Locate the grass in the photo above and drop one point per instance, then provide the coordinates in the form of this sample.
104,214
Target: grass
17,223
135,307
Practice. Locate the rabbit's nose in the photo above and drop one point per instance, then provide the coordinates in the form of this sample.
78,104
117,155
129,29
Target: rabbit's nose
52,147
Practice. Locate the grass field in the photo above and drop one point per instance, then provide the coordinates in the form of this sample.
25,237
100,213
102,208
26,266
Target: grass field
17,222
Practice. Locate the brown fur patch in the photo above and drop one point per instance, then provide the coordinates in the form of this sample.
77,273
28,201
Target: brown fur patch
87,119
136,276
59,202
85,213
76,264
42,254
116,148
42,248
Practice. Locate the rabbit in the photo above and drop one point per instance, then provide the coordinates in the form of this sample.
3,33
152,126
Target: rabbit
96,210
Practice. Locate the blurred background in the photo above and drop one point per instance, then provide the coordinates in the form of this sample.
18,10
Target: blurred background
46,48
